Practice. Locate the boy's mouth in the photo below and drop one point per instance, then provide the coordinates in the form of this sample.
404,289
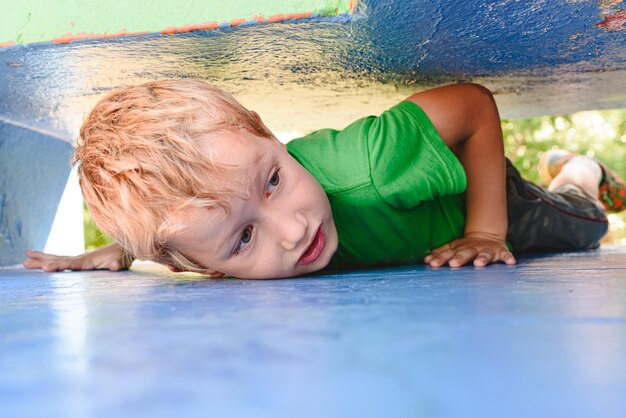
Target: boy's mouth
314,250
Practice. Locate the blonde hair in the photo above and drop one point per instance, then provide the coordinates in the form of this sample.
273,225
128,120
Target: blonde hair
139,162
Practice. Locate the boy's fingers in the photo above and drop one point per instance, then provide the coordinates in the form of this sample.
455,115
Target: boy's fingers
462,257
33,264
436,252
50,267
484,257
74,265
115,265
30,264
442,258
33,254
505,257
508,258
430,257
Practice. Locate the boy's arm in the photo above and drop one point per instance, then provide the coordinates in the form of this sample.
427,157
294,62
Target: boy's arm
467,119
112,257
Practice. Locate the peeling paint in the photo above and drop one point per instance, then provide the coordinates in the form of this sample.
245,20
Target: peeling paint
24,22
188,28
257,20
614,22
613,17
607,4
282,17
70,37
411,43
238,22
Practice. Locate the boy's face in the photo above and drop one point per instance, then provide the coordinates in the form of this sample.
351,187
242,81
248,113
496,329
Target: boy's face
283,228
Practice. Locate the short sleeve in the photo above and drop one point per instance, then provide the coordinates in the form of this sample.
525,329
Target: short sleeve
409,162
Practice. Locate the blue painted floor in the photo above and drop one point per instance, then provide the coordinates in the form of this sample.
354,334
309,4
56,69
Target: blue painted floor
546,338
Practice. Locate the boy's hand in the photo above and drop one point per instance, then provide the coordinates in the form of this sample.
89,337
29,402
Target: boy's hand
112,257
482,248
467,119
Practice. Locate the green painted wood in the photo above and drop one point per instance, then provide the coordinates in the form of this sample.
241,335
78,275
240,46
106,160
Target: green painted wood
28,21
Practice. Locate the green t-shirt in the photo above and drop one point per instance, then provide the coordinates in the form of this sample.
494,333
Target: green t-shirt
393,185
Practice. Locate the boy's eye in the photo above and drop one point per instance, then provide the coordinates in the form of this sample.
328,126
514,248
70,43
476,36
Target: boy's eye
273,182
244,240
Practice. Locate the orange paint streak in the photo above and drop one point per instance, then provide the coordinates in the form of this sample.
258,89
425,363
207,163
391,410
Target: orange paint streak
352,5
69,37
5,44
237,22
281,17
188,28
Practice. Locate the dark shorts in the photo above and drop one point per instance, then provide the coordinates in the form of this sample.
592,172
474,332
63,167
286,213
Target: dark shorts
563,219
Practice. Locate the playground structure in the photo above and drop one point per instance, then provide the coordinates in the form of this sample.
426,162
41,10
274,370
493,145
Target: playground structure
337,60
544,338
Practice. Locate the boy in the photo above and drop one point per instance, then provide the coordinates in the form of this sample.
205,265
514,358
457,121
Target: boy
180,173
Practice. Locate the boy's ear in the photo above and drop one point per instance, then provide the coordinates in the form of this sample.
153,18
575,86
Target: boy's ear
260,122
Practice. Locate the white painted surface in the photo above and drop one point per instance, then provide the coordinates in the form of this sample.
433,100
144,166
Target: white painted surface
67,236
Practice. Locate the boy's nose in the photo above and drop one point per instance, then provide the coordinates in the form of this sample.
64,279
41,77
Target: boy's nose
292,230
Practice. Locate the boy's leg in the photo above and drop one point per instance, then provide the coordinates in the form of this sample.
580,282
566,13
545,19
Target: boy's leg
559,167
582,172
567,217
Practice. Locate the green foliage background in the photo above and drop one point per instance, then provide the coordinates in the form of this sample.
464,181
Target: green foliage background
598,134
94,238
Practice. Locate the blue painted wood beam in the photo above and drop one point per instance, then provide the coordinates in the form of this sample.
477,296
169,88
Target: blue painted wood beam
539,57
34,167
